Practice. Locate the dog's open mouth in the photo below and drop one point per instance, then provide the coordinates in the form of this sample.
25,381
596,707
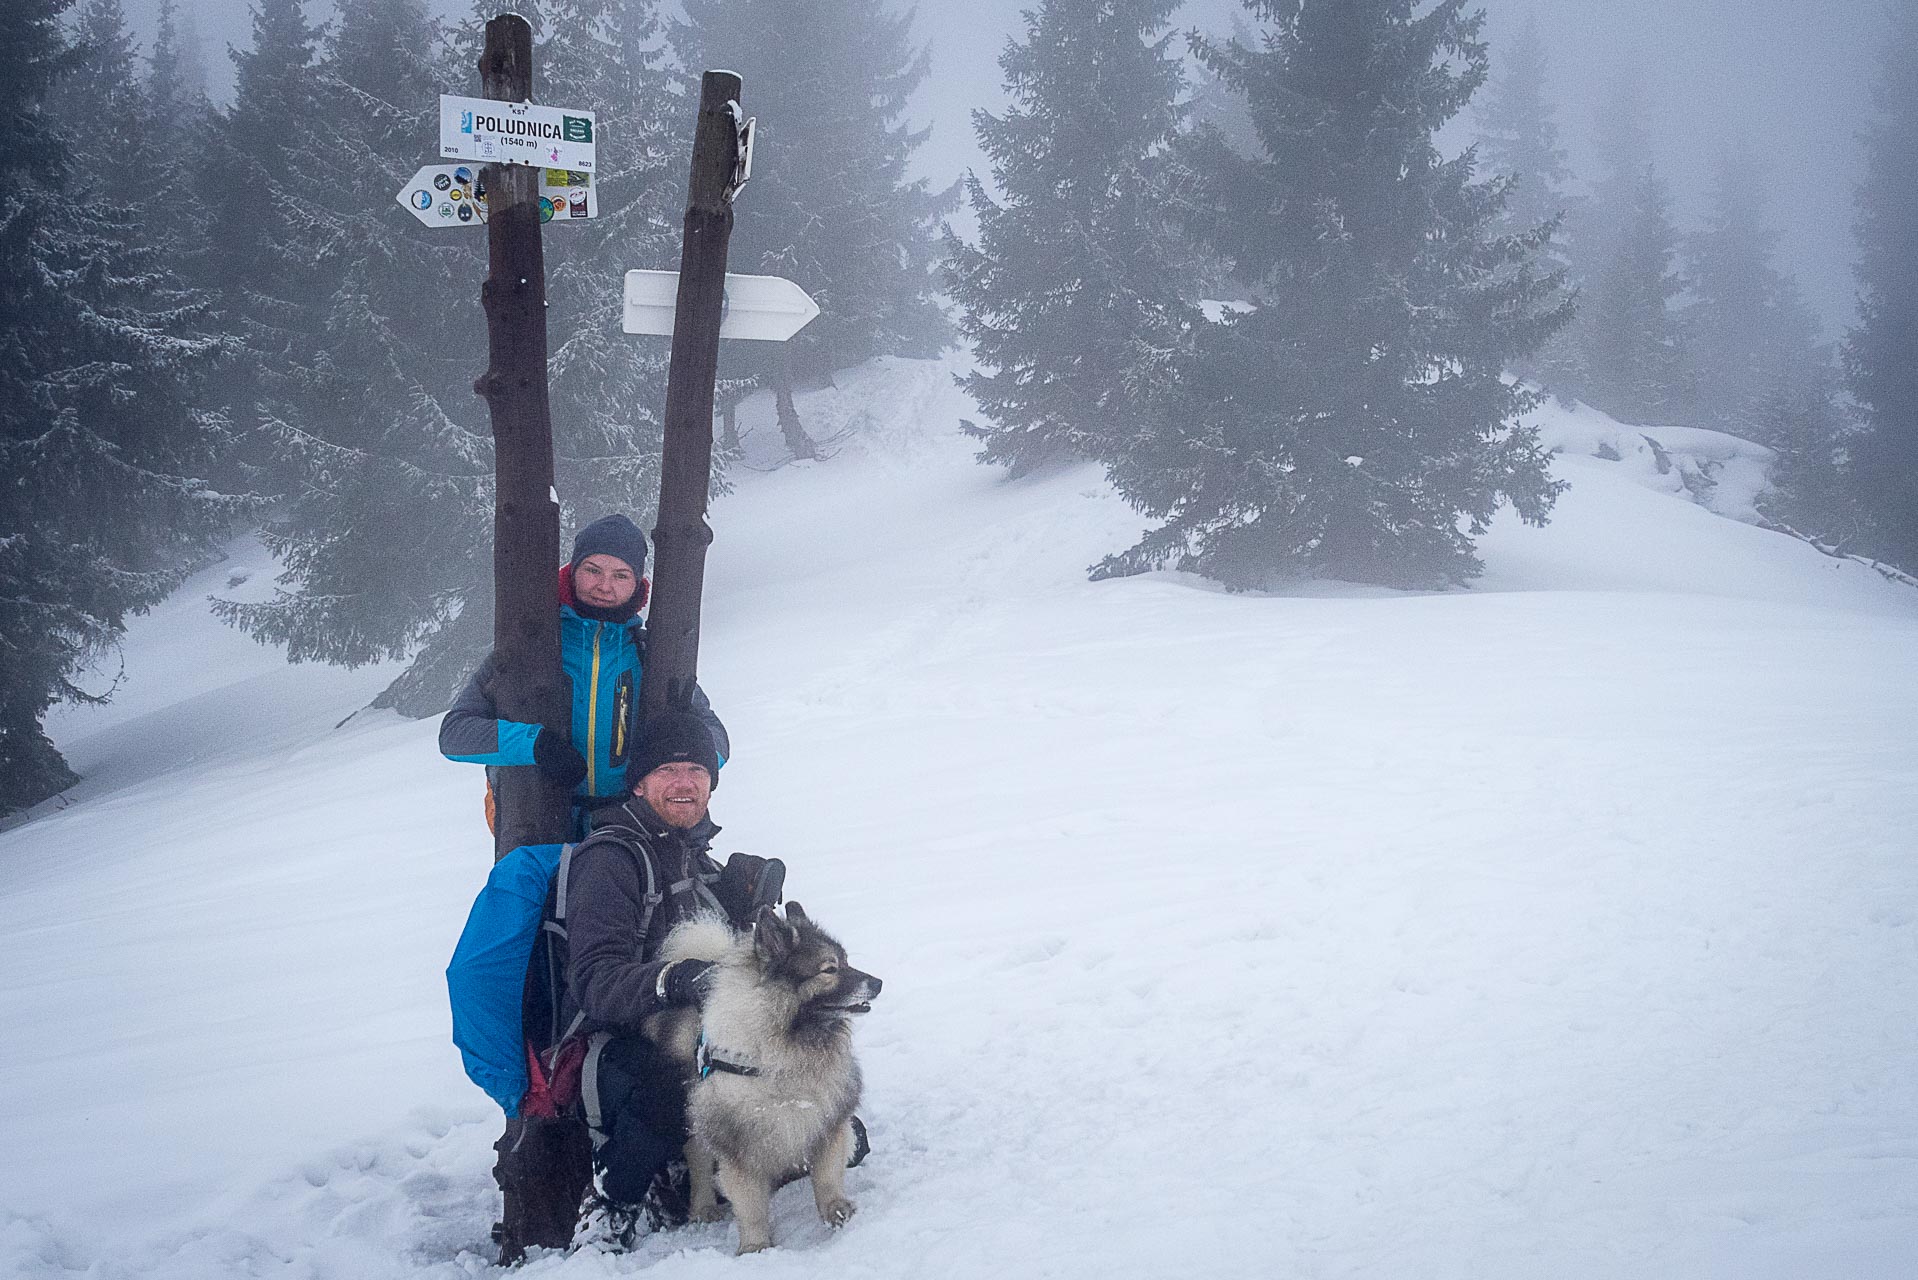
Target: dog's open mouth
863,1006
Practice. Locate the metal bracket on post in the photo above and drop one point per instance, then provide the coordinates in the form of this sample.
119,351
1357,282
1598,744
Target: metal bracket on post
745,131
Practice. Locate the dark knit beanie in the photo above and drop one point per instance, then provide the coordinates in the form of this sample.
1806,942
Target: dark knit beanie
677,735
613,535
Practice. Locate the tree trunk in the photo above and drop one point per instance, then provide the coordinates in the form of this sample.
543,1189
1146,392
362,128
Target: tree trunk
797,441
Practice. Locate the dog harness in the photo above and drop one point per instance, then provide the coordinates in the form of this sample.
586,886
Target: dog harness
708,1062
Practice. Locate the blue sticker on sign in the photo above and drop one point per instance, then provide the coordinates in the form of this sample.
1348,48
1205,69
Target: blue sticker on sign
422,200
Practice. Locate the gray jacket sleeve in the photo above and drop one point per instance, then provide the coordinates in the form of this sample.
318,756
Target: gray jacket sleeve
472,732
611,984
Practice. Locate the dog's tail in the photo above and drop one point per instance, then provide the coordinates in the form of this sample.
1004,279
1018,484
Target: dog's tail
706,936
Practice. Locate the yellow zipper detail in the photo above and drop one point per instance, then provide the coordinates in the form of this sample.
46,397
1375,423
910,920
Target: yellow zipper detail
592,718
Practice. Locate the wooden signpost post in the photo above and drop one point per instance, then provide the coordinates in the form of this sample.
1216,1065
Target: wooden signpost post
530,809
681,535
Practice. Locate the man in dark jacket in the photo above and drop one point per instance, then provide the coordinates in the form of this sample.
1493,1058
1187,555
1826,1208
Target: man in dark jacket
634,1096
594,980
602,650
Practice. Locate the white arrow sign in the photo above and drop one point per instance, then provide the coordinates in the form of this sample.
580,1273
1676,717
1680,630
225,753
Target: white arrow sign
760,308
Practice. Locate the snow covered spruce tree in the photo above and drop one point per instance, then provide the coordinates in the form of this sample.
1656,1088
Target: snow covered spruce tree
1518,137
1214,103
1631,358
180,116
1879,352
250,185
830,205
1074,285
112,151
382,463
100,446
1357,423
1749,332
1518,134
1812,491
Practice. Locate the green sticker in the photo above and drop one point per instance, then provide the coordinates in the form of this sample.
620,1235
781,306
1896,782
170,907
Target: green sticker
576,128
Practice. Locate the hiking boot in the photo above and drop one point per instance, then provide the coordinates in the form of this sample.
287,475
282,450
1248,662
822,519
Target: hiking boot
607,1226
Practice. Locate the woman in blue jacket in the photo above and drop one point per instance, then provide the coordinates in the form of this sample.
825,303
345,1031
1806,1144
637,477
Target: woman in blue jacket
602,647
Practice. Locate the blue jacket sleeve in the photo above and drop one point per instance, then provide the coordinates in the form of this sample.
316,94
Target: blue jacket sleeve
471,732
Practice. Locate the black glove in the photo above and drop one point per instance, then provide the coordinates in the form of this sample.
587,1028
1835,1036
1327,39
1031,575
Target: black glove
558,758
683,982
748,883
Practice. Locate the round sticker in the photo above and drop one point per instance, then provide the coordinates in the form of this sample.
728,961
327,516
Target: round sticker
441,182
422,199
463,176
446,211
466,213
459,195
545,209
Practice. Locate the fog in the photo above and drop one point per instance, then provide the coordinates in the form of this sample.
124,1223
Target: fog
1792,78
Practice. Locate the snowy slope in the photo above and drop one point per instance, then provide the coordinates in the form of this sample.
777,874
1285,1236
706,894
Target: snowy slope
1562,927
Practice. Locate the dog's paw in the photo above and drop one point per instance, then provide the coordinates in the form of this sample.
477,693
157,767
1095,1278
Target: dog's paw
706,1213
837,1212
753,1246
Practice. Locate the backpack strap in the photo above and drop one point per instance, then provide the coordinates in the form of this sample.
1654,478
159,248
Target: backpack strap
641,850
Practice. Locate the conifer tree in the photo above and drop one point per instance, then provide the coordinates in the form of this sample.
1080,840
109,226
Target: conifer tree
101,452
257,171
830,205
1350,423
1215,104
1633,355
1518,135
109,117
1519,138
179,117
1073,285
1627,355
1812,435
1881,352
383,463
1748,329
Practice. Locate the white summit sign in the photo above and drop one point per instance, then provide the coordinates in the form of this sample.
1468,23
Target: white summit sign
494,132
758,308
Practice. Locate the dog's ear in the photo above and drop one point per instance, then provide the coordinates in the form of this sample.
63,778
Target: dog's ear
796,916
773,938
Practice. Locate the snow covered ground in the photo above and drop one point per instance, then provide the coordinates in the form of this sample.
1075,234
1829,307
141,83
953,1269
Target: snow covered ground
1559,928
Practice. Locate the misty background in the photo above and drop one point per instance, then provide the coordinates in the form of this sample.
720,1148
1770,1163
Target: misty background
1262,291
1792,79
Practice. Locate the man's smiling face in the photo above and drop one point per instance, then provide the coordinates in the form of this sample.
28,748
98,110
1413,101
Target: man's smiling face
678,791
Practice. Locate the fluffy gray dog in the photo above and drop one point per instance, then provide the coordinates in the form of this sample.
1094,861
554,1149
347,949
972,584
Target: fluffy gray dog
775,1082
